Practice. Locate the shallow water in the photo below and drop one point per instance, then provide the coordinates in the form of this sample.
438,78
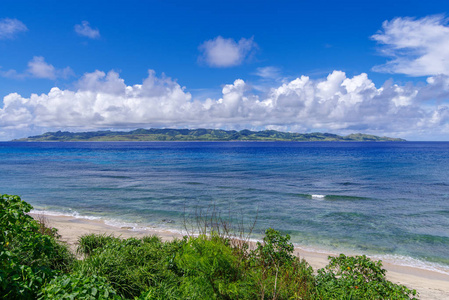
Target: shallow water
387,199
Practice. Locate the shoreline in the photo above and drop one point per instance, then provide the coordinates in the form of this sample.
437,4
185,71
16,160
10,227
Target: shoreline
429,284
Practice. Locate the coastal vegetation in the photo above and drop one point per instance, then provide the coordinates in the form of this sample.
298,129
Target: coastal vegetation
34,263
200,135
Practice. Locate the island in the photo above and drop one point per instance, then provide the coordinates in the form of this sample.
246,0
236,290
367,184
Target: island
155,134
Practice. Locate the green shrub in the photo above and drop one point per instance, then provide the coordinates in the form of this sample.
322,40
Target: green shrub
78,286
89,242
28,258
357,277
210,269
162,291
132,266
276,250
277,273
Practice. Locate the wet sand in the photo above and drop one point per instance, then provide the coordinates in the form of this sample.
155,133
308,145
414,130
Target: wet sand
430,284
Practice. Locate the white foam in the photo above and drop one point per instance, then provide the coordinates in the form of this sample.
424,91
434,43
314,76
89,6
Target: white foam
317,196
314,249
120,224
108,221
394,259
74,214
407,261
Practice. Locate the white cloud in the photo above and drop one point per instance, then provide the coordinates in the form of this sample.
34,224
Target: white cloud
101,100
10,27
84,29
337,104
222,53
417,47
269,72
38,68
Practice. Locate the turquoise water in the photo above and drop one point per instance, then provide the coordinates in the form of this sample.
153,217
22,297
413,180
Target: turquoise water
385,199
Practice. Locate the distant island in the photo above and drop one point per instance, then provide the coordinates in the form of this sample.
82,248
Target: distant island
154,134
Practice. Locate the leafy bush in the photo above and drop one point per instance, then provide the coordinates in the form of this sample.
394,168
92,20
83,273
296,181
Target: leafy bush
89,242
210,269
162,291
216,268
28,258
357,277
275,250
132,266
278,273
78,286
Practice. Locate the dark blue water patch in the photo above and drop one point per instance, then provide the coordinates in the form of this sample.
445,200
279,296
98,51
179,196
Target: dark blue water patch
442,212
298,195
349,217
441,184
225,187
193,183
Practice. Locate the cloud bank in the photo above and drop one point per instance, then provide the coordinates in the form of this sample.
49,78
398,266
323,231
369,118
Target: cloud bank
335,104
9,28
84,29
417,47
222,53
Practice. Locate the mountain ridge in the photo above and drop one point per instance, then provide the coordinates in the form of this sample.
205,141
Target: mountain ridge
200,134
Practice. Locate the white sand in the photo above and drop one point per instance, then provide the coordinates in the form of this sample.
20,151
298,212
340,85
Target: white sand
429,284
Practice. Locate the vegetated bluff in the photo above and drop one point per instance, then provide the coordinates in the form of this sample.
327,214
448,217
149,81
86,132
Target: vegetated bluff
199,135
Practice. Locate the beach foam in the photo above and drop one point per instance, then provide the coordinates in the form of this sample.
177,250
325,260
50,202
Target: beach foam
112,222
407,261
74,214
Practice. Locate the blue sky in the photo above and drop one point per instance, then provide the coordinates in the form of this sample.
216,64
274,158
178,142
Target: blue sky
377,67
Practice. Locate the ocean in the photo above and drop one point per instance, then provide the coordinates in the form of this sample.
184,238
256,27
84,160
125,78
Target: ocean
389,200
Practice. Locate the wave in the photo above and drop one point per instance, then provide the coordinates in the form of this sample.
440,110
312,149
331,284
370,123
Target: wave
394,259
345,197
73,214
166,224
407,261
333,197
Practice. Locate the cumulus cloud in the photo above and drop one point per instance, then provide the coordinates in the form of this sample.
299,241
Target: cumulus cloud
84,29
336,103
10,28
101,100
38,68
222,53
417,47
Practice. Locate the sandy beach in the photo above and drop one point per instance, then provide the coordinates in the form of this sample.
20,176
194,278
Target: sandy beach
429,284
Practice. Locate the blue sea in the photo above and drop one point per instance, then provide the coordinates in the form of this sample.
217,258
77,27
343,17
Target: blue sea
389,200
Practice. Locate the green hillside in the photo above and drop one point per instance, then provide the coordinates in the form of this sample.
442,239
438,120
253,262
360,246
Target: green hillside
199,135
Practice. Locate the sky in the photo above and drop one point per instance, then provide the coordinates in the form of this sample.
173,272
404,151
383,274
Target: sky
374,67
